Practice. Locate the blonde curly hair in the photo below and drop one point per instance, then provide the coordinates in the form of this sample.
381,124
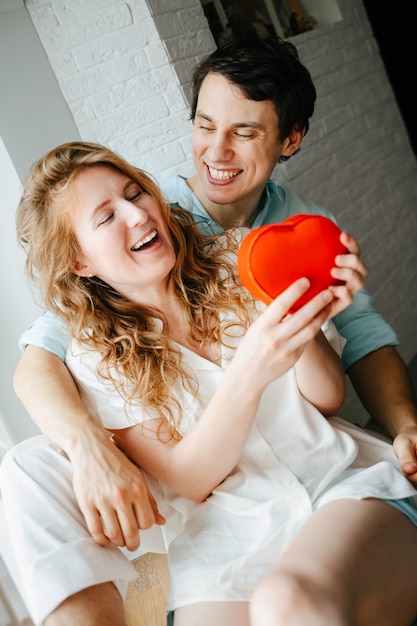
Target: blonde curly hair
132,348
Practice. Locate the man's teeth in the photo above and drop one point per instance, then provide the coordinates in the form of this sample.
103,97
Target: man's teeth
222,174
144,241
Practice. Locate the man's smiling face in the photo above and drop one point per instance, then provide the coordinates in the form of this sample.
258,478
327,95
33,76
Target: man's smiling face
235,143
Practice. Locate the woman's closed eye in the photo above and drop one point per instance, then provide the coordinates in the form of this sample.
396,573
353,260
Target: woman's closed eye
133,192
106,218
134,197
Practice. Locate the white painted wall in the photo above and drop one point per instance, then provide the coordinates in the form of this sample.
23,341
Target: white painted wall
34,117
17,310
17,306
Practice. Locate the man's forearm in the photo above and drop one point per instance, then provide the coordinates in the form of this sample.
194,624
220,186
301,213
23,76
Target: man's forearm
115,487
383,384
48,392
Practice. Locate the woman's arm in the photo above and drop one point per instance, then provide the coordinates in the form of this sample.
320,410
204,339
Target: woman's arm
116,495
321,377
203,458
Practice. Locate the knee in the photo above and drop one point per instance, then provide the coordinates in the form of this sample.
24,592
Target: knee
9,464
34,459
293,599
98,604
276,600
22,454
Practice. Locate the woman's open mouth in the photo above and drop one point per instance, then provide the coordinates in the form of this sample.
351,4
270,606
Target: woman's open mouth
146,242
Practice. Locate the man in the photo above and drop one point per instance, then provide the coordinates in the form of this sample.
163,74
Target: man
251,108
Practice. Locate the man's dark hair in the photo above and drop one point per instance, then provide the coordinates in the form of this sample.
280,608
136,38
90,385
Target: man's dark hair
264,69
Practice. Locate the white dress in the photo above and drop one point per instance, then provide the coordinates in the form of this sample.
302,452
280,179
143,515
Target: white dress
294,461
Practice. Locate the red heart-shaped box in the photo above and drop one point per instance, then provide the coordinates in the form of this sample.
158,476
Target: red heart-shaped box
272,257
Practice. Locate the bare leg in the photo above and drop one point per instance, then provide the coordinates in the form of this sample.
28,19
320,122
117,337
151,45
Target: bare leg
98,605
354,563
209,613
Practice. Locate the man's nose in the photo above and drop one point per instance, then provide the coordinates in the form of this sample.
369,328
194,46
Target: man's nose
220,147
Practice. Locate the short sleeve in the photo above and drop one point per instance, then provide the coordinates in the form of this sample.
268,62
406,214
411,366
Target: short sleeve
334,338
49,332
364,329
101,396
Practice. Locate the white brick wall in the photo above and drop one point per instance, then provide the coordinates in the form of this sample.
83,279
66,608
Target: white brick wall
124,68
114,71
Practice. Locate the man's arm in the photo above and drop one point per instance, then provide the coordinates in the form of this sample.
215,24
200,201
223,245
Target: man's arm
112,493
383,384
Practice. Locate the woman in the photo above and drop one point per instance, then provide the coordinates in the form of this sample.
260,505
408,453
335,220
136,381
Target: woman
275,514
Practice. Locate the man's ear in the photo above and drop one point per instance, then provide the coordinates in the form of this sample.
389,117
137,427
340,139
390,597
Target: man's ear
292,143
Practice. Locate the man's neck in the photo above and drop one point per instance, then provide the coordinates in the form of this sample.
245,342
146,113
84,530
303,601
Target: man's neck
228,215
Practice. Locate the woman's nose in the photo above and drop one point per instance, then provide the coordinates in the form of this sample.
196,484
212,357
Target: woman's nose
135,215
